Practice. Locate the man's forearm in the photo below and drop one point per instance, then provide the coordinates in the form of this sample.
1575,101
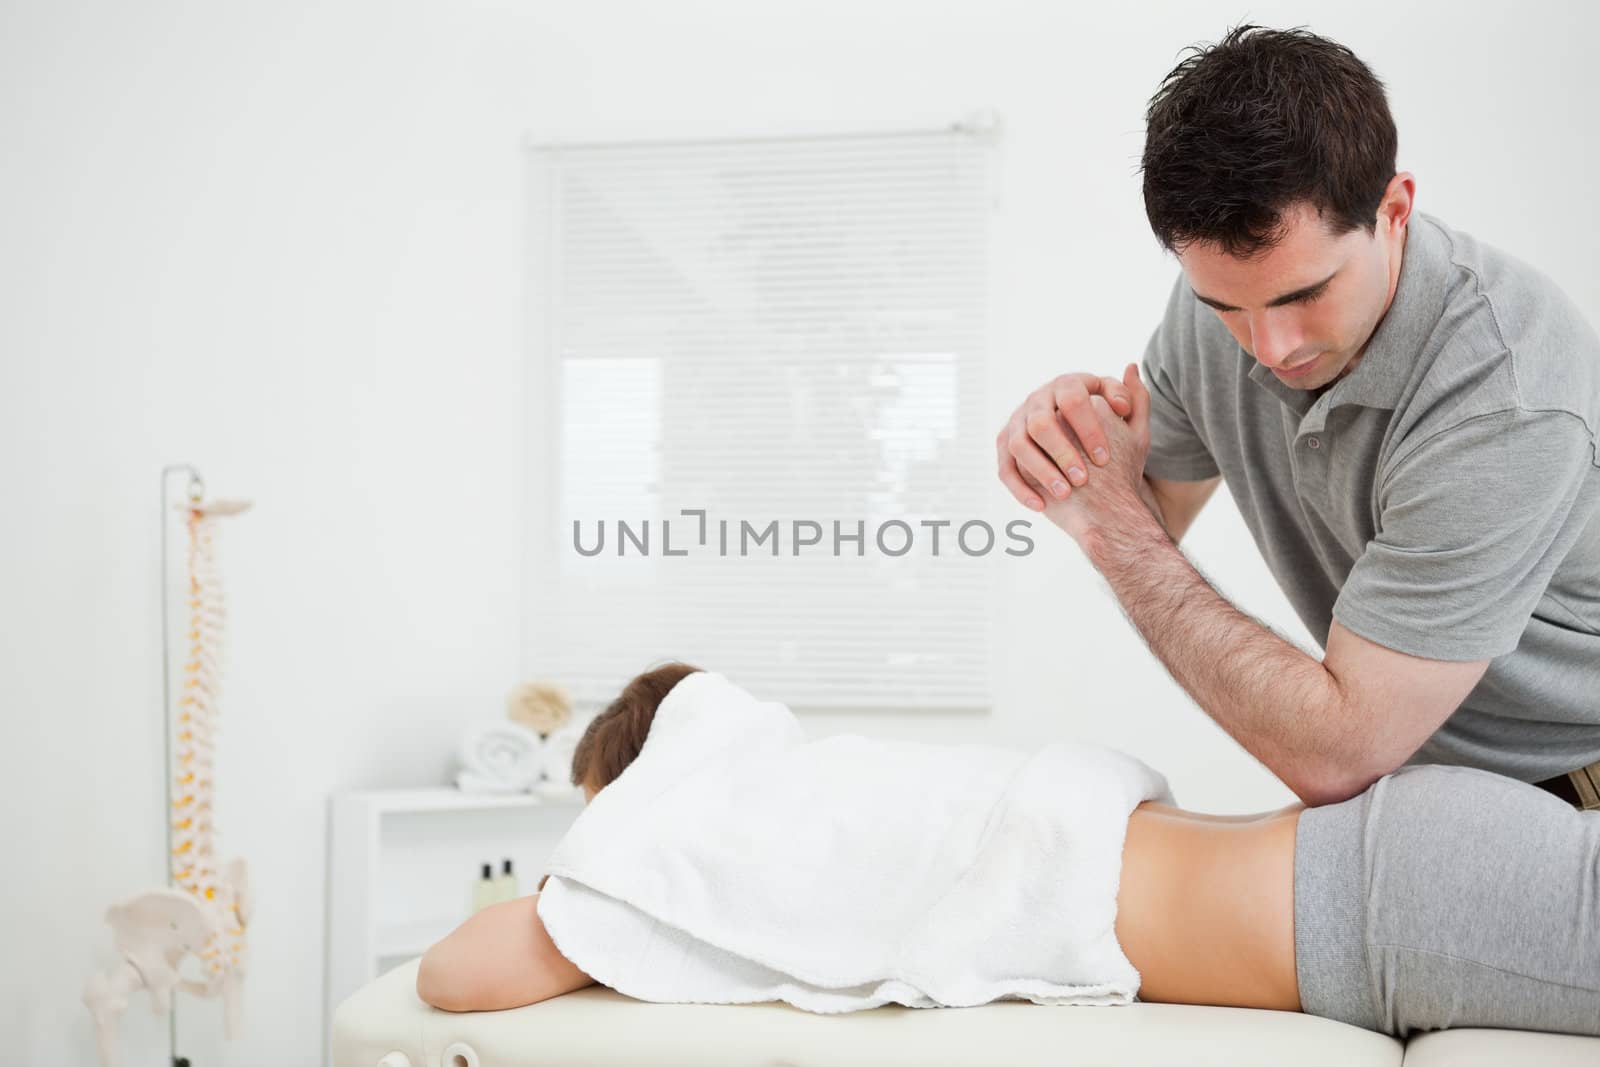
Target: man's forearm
1271,697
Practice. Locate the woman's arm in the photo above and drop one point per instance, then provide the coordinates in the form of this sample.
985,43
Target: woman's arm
499,958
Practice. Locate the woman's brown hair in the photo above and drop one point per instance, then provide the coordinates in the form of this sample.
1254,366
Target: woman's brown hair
613,740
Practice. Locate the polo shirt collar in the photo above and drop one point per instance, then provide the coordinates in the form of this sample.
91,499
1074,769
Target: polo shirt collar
1390,357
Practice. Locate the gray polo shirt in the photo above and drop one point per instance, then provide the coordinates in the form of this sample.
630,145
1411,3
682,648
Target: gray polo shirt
1442,498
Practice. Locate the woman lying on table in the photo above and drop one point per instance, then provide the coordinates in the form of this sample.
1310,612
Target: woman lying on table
1440,897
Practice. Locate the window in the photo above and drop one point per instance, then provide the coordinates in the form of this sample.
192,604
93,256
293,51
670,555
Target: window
739,346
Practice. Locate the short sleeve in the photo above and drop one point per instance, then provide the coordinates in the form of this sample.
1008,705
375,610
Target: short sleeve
1177,452
1473,523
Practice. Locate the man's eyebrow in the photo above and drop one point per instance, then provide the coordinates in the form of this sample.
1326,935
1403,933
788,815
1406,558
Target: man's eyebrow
1286,298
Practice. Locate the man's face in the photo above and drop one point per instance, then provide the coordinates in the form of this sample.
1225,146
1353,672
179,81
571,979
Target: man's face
1338,289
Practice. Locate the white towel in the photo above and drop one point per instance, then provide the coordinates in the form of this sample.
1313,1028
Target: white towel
734,861
498,757
555,761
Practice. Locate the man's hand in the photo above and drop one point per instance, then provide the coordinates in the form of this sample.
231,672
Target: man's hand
1119,492
1044,443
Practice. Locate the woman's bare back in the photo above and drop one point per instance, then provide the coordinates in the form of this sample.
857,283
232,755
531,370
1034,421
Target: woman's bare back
1205,909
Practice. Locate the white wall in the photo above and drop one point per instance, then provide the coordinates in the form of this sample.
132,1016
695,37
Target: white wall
283,242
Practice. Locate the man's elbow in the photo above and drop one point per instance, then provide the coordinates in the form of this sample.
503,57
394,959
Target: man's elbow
1333,784
1316,794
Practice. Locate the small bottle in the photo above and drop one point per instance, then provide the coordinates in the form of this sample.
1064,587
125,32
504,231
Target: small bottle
506,883
484,889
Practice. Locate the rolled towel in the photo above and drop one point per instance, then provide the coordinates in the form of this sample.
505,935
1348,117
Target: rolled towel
556,757
498,757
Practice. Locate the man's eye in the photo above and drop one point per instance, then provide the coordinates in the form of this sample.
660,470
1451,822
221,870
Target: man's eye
1312,298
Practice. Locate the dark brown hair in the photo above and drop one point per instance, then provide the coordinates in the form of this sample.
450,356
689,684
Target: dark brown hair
1260,121
613,740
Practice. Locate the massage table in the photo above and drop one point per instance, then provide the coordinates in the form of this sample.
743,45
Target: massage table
385,1024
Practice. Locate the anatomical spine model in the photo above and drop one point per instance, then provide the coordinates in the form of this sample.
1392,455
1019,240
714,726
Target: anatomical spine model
208,911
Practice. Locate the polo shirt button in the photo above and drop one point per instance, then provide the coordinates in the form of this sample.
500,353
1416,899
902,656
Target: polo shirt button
1313,442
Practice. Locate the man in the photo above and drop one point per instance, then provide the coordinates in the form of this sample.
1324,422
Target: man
1407,419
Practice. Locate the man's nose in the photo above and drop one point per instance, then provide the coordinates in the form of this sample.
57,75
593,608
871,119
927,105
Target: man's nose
1275,338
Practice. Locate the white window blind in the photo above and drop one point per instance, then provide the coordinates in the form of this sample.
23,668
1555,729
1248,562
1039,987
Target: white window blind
766,331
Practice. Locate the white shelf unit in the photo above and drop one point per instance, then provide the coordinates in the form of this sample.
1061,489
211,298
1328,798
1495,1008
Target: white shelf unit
402,864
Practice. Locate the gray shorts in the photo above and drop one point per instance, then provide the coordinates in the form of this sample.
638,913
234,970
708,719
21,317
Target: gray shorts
1446,897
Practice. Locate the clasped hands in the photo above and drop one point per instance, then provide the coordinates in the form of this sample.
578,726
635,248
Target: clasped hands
1071,426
